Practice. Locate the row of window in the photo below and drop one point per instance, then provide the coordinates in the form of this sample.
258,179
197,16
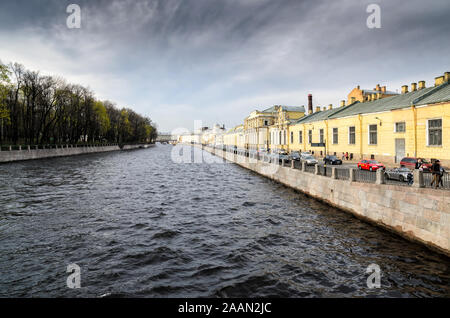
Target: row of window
278,137
434,133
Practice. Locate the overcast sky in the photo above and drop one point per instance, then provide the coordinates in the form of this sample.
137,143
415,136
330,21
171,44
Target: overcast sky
217,60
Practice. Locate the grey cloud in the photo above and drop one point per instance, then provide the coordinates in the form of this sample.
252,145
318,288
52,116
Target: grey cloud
210,54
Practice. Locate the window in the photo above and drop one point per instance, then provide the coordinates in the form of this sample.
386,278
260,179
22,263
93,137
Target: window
400,127
321,136
373,134
266,123
292,137
335,136
351,135
434,132
300,137
310,136
280,139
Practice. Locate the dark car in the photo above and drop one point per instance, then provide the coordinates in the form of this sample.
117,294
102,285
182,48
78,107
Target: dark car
410,162
283,156
278,157
333,160
400,174
295,155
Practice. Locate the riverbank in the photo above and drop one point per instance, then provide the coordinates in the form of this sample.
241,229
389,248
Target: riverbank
42,152
418,214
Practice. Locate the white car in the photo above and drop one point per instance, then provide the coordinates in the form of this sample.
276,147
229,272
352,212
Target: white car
310,160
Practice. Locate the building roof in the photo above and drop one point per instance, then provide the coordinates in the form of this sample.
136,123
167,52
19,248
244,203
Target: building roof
235,129
285,108
439,96
421,97
372,91
318,116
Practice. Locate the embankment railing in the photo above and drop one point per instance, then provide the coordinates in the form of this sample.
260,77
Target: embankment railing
421,179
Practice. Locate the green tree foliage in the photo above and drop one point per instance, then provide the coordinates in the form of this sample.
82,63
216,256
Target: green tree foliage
4,89
46,109
5,83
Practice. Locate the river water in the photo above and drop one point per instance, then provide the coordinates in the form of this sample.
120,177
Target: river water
140,225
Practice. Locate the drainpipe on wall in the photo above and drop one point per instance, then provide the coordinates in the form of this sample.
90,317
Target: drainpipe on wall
415,128
326,136
360,137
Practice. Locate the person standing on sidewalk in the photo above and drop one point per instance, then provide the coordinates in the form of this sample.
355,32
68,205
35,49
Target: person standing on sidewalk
419,164
436,171
441,176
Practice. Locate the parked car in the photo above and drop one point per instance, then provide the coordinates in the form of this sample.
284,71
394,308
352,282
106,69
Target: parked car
310,160
400,174
278,157
371,165
295,155
333,160
410,162
305,153
283,156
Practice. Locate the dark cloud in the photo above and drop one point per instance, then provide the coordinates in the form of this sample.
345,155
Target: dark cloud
219,59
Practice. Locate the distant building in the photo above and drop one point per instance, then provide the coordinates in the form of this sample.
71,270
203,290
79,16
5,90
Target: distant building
376,124
259,126
364,95
415,123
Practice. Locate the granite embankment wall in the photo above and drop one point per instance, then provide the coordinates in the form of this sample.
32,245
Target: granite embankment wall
418,214
61,151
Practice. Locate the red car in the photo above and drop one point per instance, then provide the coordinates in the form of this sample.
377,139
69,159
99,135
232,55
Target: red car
410,163
371,165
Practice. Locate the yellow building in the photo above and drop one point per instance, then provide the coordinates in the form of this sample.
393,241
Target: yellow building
364,95
261,126
279,137
412,124
235,137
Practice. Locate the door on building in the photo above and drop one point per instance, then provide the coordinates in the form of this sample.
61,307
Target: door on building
399,149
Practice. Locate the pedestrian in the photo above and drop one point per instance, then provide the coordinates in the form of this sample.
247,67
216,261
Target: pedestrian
441,176
436,171
410,179
346,156
419,164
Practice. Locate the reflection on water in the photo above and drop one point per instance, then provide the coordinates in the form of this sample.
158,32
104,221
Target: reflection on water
140,225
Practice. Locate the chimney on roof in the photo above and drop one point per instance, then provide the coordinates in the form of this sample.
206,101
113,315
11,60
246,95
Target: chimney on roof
404,89
413,87
421,84
374,96
317,109
342,103
378,88
324,108
330,106
447,77
439,80
352,100
358,87
378,95
383,89
310,104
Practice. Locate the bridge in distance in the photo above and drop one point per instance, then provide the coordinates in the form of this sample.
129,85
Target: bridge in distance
165,138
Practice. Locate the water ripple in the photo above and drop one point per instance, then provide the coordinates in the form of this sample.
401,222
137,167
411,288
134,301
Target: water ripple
139,225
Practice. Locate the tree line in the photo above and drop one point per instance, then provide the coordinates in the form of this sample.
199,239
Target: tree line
38,109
